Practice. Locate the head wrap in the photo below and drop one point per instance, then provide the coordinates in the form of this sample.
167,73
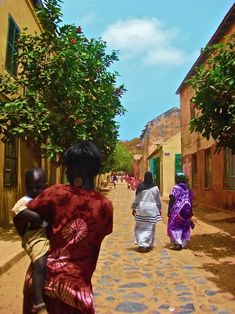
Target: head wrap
181,177
147,183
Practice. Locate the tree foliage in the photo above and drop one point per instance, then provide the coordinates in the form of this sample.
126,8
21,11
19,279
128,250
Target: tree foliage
123,159
214,99
69,93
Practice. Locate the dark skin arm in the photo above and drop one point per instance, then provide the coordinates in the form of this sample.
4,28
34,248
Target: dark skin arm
25,216
170,205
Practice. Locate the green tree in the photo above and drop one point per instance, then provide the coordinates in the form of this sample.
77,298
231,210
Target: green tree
70,94
123,159
214,99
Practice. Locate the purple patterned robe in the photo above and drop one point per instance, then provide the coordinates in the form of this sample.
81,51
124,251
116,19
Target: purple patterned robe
178,227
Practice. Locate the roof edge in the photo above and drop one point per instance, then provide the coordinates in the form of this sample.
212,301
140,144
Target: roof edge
219,34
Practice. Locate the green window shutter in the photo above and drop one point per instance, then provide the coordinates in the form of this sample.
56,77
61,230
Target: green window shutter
178,163
12,51
155,169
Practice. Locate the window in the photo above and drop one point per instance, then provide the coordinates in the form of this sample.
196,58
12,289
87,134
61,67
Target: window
229,170
208,172
12,51
194,170
10,165
192,111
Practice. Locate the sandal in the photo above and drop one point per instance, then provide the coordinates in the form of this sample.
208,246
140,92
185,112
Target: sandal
142,249
176,247
40,308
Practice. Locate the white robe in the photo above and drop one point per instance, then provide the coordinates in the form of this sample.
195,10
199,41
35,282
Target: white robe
147,204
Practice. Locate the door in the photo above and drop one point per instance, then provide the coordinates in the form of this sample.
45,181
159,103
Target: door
155,169
178,163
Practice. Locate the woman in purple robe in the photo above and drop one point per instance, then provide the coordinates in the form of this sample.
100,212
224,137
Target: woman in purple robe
179,213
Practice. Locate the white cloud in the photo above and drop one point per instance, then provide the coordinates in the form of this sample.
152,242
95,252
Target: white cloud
148,38
88,19
171,56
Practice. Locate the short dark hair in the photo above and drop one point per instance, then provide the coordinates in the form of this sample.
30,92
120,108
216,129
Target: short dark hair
29,176
82,159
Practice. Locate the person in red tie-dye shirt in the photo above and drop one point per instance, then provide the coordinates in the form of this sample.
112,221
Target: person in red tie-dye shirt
79,218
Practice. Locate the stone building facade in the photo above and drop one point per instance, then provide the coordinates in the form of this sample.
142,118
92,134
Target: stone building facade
153,137
211,174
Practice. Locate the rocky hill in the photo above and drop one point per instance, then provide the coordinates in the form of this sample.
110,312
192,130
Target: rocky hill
132,146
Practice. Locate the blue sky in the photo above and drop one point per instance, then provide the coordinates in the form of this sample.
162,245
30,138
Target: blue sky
158,42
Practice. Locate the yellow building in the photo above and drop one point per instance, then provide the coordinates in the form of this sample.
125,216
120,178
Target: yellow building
157,132
17,157
168,157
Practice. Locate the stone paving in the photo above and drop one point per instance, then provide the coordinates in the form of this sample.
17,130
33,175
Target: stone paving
160,281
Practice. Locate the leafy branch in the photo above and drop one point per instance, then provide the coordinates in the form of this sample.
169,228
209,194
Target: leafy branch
64,91
214,98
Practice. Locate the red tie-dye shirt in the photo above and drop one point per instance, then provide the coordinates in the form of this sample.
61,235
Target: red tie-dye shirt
78,221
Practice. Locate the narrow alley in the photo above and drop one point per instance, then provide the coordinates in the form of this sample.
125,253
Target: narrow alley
160,281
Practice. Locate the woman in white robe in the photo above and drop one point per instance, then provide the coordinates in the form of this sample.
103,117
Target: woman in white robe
147,211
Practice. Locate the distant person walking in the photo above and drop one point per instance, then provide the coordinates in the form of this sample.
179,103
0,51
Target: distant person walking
114,180
147,211
180,213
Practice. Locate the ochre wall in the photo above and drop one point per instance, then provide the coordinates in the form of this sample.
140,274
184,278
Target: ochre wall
217,196
166,153
22,13
169,148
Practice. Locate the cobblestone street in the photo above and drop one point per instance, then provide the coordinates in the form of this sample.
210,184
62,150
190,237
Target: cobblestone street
160,281
129,102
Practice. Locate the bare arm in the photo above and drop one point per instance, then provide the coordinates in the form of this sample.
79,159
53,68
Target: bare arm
24,217
170,205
